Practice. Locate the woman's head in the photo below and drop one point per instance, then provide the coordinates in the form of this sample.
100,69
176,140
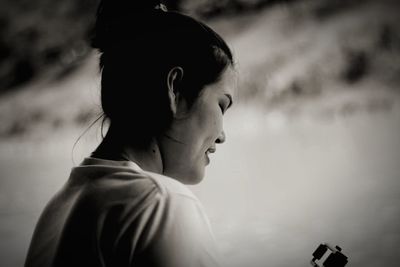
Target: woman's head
195,131
140,45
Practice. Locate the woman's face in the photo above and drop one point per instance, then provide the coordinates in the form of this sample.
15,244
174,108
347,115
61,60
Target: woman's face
192,137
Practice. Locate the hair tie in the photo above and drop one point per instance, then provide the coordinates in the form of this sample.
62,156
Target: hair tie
161,7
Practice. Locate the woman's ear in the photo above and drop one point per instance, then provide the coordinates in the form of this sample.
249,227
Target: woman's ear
174,77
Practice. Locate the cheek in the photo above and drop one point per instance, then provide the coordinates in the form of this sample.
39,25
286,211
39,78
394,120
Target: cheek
212,128
210,121
206,126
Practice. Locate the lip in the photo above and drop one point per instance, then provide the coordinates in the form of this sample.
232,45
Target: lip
207,159
211,150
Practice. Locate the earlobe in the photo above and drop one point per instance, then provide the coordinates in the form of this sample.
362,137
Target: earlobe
174,77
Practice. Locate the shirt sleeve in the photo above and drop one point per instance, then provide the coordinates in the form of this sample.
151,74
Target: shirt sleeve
172,230
181,235
178,234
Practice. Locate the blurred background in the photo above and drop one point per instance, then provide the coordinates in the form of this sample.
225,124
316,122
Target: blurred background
313,148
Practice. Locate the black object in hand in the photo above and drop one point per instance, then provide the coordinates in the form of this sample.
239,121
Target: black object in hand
335,259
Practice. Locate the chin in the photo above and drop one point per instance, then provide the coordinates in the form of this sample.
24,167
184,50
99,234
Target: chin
192,178
194,181
188,176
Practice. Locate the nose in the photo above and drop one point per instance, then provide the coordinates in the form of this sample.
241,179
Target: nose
221,138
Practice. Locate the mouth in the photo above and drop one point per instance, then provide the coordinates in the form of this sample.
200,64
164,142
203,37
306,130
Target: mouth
208,152
211,150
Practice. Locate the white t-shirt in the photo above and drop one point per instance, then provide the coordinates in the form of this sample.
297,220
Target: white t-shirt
113,213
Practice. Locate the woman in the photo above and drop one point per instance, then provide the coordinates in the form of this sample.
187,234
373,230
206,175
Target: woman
166,82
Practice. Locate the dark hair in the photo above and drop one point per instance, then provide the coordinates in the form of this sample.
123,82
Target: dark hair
139,44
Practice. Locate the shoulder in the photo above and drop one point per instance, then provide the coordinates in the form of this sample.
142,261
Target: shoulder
170,187
146,208
123,190
105,185
125,175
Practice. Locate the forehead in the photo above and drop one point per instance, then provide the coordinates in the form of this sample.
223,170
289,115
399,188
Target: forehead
227,83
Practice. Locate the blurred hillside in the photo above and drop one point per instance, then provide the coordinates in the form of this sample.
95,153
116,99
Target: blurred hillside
325,57
36,36
44,37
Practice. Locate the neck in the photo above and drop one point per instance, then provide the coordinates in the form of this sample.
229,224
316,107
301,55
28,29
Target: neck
114,147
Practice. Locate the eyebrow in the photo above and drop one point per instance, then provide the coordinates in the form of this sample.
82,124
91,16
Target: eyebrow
230,100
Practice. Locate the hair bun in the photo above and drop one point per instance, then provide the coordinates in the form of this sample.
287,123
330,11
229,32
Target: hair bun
113,15
147,4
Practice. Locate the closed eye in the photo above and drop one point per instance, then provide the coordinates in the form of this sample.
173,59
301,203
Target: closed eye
230,100
222,108
226,104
